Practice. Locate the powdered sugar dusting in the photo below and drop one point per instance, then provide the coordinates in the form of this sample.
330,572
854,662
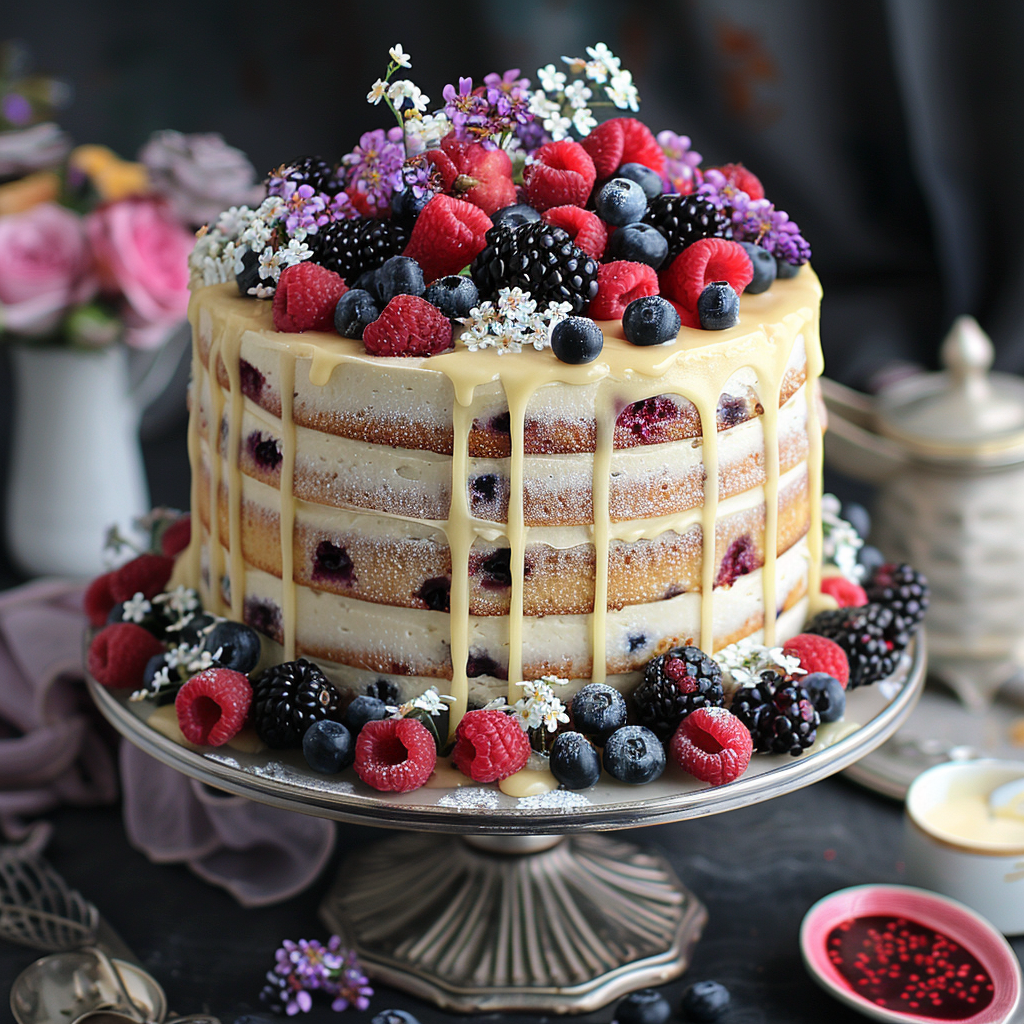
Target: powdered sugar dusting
468,797
555,800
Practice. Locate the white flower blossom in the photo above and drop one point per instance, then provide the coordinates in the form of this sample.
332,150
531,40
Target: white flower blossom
426,132
622,92
583,121
377,91
602,65
273,261
745,660
181,600
840,541
497,704
511,323
551,79
136,608
430,701
399,56
577,94
539,706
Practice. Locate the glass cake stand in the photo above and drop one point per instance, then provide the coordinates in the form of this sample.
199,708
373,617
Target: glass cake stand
491,903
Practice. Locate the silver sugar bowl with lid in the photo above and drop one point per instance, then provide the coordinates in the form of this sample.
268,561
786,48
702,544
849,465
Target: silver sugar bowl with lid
946,451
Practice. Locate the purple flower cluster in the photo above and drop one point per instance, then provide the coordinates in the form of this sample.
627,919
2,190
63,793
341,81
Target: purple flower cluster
499,107
375,165
681,162
303,967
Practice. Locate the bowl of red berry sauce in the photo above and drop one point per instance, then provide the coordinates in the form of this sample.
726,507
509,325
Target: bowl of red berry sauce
907,955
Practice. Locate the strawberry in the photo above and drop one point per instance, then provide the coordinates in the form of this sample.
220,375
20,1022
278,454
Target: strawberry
623,140
584,227
212,706
118,654
739,177
562,174
147,575
408,326
483,177
700,263
306,297
618,284
447,235
847,594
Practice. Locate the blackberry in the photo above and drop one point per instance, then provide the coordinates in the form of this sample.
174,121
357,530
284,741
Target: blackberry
287,699
675,684
778,713
352,247
383,689
901,588
310,170
871,636
538,258
685,219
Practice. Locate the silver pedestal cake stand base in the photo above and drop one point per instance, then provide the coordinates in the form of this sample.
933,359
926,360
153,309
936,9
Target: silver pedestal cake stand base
515,904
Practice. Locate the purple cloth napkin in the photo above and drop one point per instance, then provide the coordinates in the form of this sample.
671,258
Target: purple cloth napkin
52,753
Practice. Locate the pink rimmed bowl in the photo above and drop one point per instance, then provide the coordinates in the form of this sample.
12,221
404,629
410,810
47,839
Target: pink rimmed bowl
940,913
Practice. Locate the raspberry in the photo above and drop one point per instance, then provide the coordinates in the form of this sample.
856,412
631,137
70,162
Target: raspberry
584,227
712,745
212,706
118,654
618,284
688,317
847,593
623,140
409,326
305,298
562,174
395,755
146,575
819,654
489,745
176,537
98,600
706,260
741,178
483,177
447,236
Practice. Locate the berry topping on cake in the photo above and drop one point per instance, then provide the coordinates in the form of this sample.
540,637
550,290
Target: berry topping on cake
871,636
818,654
684,220
489,746
712,745
650,181
597,711
764,266
518,214
574,761
448,235
352,247
651,320
623,140
633,754
779,715
98,600
482,176
455,295
233,645
647,1006
147,575
577,339
395,755
903,589
306,297
328,747
704,1002
639,243
364,708
288,698
676,684
409,326
212,706
846,593
618,284
718,307
176,537
314,171
355,311
119,652
621,201
705,261
827,695
562,174
400,275
584,227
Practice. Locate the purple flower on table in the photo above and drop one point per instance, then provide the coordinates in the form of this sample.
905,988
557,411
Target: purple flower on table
681,161
304,967
375,165
772,229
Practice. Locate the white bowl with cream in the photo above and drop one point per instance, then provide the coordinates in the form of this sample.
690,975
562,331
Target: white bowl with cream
955,845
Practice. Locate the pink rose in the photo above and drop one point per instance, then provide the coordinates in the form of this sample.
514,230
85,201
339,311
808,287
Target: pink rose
142,252
45,267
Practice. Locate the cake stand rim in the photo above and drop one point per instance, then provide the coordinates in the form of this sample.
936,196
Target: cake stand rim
378,812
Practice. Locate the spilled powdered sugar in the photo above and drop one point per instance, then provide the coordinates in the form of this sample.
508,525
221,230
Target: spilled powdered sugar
469,797
555,800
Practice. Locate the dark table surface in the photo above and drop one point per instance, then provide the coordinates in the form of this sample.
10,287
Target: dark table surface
758,870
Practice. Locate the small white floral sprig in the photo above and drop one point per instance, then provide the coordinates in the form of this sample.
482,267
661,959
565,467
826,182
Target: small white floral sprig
512,322
182,604
430,701
563,103
745,660
185,661
147,529
136,609
408,103
840,541
539,707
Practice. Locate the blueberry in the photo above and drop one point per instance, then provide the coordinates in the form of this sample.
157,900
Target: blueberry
634,754
597,711
718,307
857,516
764,268
355,311
362,710
648,1006
239,645
455,295
515,216
577,339
400,275
787,269
621,201
650,320
871,558
192,632
704,1001
157,662
394,1017
650,181
328,747
250,275
406,206
827,695
574,761
639,243
368,281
